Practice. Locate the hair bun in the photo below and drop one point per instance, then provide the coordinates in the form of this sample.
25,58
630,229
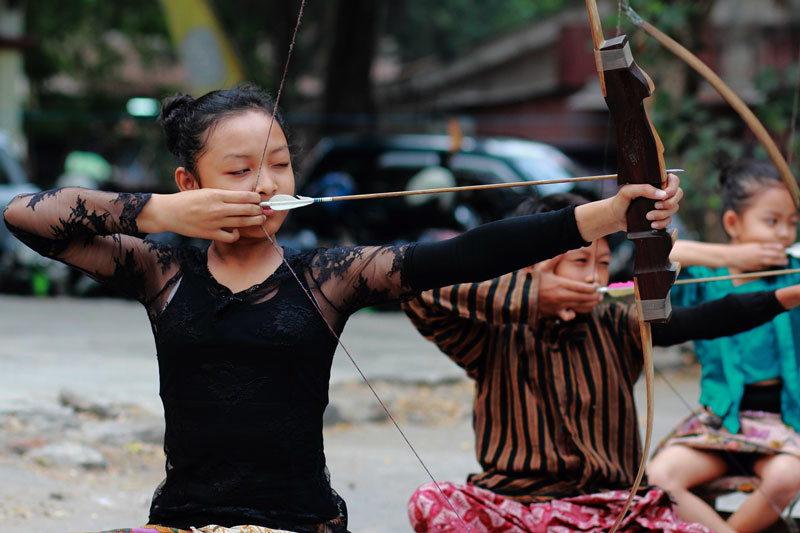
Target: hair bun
172,107
175,114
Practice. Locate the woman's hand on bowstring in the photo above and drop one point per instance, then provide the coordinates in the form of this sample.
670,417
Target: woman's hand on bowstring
601,218
755,256
562,297
213,214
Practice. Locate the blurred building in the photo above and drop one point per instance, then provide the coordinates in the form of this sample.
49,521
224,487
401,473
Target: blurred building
540,82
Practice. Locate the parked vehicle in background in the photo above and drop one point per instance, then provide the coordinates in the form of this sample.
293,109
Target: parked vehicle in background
356,165
21,269
13,181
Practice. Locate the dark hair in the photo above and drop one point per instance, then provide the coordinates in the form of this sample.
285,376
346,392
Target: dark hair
742,181
551,202
186,120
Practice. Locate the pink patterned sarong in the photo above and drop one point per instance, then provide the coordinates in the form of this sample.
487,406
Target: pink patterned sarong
487,512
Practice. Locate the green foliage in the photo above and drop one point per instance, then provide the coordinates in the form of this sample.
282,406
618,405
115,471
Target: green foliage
76,41
697,136
70,36
700,142
776,111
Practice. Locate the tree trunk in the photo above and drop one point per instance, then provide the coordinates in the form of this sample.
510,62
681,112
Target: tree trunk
348,99
282,21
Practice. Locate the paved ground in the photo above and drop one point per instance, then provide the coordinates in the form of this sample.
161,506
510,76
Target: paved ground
97,357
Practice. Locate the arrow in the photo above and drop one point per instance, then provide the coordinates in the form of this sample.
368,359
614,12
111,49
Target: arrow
283,202
618,290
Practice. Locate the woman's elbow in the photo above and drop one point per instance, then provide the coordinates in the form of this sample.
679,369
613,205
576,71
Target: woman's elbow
13,211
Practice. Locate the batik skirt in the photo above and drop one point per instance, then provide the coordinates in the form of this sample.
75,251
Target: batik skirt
205,529
760,433
484,511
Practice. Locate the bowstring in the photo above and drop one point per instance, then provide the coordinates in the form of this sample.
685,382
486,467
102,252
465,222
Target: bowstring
311,296
319,310
280,91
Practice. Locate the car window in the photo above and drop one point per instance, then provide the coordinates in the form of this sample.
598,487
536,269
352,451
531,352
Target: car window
408,159
486,166
538,169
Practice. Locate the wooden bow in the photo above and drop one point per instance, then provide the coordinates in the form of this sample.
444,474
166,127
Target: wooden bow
640,159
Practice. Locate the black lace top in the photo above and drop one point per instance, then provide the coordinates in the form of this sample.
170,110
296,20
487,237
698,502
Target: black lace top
244,382
244,376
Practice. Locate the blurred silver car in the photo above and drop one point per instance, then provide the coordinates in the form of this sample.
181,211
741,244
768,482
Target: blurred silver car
21,269
343,165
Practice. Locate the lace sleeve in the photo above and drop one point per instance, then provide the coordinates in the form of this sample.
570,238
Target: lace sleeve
95,232
354,277
359,276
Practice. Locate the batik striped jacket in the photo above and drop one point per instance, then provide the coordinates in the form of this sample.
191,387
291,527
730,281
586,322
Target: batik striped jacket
554,413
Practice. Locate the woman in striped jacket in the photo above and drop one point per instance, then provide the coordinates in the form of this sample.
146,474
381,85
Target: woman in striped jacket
555,422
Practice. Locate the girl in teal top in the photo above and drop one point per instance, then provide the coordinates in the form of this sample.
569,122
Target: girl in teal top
750,383
761,354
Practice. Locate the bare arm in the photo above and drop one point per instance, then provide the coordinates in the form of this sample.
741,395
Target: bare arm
788,297
746,257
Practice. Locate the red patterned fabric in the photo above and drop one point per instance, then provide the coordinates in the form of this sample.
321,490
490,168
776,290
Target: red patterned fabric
487,512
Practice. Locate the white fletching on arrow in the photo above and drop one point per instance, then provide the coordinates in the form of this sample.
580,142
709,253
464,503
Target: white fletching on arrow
618,290
284,202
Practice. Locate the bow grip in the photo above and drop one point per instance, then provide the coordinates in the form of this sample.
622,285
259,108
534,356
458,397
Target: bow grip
640,160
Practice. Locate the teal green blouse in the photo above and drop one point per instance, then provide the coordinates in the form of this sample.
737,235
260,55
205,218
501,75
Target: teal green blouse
729,363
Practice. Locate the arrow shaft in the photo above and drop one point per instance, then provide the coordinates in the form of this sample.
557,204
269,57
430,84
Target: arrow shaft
746,275
625,291
305,200
483,187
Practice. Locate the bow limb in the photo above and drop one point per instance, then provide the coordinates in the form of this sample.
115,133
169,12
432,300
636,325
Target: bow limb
727,93
649,372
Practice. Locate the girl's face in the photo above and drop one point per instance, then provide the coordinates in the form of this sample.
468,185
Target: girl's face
589,264
771,218
231,160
